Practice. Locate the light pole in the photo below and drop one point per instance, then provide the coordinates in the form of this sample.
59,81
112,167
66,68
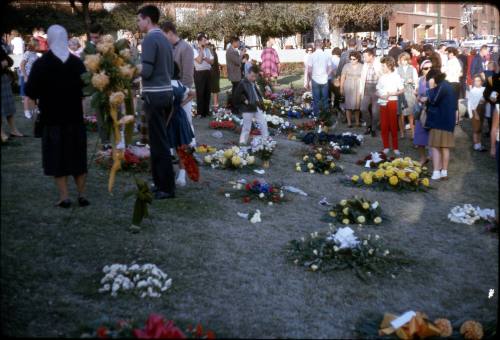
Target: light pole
381,33
439,23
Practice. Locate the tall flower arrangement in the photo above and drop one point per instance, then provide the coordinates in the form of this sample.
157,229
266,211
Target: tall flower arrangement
109,77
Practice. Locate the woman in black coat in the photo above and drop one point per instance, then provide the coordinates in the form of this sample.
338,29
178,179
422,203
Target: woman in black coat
56,84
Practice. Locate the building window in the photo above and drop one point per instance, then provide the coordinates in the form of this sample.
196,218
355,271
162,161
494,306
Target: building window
399,30
449,33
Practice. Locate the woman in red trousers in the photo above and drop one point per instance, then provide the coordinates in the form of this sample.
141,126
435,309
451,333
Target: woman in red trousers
389,86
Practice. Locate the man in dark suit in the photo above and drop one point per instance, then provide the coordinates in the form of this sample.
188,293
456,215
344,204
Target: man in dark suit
395,50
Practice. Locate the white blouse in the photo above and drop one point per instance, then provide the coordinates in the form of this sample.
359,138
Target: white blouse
475,95
453,70
389,82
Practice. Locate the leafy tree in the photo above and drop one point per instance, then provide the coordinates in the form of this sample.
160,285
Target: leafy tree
84,12
25,18
355,17
278,19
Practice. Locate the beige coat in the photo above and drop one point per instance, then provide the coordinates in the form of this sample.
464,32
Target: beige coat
233,62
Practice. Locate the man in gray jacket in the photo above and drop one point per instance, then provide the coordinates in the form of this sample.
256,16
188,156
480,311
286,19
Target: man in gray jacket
233,64
184,57
183,54
157,70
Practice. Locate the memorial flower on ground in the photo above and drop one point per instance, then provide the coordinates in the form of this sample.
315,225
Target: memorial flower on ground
357,210
339,249
469,215
318,160
398,175
223,119
374,159
232,158
155,327
135,159
263,148
145,280
256,190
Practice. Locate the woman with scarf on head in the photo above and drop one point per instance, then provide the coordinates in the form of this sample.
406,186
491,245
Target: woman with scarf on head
56,85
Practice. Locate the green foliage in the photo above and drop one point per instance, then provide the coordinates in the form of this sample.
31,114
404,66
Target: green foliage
27,17
353,17
320,252
278,19
143,198
266,20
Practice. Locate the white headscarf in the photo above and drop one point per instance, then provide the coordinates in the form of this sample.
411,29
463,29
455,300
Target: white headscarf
57,38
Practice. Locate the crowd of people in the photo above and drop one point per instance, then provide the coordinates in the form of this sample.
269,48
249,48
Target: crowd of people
417,92
412,92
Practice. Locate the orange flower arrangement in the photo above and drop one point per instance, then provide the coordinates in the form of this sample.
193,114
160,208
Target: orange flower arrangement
472,330
444,326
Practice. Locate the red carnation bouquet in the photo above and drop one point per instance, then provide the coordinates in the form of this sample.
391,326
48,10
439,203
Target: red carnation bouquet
225,124
156,327
190,165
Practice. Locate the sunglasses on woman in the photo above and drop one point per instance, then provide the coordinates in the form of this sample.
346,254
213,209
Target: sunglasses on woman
426,68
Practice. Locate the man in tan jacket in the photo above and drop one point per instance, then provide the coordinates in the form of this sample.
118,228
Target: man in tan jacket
370,73
233,64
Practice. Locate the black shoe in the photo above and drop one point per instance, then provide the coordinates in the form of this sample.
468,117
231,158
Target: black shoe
83,202
64,204
368,131
160,195
106,147
374,134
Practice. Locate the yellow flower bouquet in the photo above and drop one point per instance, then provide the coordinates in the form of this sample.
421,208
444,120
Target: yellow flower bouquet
109,77
399,174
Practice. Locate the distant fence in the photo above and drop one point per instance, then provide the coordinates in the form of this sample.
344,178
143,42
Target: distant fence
286,56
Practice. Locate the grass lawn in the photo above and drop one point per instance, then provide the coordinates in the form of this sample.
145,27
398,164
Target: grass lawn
229,274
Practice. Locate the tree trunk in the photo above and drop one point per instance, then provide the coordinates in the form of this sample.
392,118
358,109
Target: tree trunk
335,36
86,17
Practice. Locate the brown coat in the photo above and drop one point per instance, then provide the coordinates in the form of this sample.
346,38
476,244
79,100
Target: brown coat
233,62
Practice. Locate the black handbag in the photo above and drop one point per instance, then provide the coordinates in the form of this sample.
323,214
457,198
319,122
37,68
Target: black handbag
37,126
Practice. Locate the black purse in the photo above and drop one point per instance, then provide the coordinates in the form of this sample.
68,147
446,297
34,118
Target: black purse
37,126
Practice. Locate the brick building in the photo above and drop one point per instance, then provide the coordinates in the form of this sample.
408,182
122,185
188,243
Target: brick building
417,21
485,18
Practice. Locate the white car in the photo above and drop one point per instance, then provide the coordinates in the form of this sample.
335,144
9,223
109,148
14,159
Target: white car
479,41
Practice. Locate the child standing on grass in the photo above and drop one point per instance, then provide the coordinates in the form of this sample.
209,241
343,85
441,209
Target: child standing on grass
248,101
29,57
475,109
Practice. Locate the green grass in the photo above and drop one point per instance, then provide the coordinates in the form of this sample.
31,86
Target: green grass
227,273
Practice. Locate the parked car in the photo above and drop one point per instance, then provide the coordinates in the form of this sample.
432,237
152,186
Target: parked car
449,43
478,41
432,42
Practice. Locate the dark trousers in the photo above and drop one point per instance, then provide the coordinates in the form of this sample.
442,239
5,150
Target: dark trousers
158,108
335,93
202,84
235,85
